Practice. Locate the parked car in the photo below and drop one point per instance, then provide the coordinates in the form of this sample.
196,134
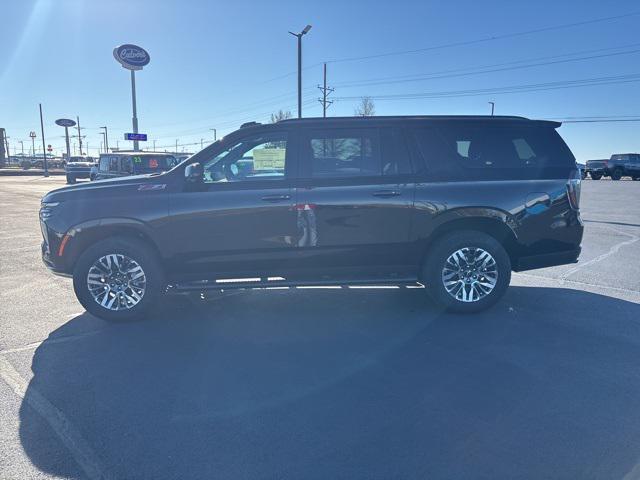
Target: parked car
122,164
78,167
455,203
618,166
583,170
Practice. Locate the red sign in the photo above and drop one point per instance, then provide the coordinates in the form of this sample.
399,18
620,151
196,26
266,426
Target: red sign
49,148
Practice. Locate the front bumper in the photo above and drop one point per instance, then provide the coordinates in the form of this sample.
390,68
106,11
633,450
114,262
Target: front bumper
79,173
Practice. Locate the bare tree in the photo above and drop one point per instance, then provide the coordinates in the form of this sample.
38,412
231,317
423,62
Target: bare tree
280,115
366,108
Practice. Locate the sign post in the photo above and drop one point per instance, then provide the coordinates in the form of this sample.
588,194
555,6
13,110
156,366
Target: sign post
132,58
66,123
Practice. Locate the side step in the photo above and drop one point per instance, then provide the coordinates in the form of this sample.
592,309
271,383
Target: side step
275,282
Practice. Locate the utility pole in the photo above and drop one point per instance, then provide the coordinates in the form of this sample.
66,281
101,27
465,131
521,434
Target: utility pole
299,36
493,105
154,144
22,147
79,135
44,145
215,134
176,145
106,140
201,147
326,91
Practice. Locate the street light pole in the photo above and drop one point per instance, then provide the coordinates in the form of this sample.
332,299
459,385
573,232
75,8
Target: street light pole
215,134
299,37
493,105
106,139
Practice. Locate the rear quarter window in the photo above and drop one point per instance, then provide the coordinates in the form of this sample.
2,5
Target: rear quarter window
463,152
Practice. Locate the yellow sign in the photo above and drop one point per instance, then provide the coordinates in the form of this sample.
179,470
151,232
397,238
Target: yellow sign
269,159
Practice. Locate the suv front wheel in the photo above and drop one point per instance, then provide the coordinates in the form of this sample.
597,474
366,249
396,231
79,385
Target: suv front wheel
118,279
466,271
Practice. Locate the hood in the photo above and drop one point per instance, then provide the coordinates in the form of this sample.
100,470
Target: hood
106,187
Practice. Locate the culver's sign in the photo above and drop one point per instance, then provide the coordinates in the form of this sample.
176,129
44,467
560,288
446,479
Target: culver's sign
131,57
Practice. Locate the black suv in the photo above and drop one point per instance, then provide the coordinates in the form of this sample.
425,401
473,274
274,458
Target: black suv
455,203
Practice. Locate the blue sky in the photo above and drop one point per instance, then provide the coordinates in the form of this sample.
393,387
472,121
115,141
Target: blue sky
216,64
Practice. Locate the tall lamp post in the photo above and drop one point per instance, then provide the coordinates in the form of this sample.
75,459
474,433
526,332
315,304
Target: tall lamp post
106,139
493,106
304,31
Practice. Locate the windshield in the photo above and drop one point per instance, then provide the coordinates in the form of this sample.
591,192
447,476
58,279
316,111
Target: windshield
152,163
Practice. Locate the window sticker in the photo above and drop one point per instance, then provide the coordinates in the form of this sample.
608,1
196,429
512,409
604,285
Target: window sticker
269,159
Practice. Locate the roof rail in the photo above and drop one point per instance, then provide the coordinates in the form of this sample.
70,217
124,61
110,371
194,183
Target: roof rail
249,124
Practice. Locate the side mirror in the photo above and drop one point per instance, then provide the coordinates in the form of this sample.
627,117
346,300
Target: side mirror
194,173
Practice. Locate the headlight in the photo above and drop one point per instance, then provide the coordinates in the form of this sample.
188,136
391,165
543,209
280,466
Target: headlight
46,209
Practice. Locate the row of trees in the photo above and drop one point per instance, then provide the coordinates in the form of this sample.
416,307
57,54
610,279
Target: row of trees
366,108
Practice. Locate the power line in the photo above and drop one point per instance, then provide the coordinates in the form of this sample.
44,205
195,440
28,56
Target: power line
499,67
507,89
486,39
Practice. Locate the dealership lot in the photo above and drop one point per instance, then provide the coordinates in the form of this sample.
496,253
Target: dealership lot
327,382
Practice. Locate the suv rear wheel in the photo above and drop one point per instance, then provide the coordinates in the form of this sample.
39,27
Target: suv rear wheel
71,179
596,176
467,271
118,279
616,174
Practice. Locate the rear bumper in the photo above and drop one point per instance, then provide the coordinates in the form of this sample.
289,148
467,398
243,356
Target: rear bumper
547,260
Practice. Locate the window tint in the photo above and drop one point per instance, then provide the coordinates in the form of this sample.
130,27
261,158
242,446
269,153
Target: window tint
343,153
104,164
127,166
395,154
113,164
258,157
466,152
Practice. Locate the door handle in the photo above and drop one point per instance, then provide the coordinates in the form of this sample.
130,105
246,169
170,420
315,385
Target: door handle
386,193
275,198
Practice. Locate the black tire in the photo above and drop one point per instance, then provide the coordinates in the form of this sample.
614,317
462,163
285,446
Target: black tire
446,246
138,251
636,178
595,176
616,174
71,179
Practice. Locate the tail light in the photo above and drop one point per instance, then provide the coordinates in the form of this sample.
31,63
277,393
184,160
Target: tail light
574,186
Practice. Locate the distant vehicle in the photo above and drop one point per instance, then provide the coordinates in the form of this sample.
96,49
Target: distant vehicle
27,162
618,166
583,170
123,164
78,167
456,203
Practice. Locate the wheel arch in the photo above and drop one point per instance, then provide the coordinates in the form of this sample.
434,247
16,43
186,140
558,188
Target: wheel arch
498,225
84,235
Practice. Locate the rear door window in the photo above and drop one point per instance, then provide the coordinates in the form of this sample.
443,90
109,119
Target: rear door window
456,152
114,164
341,153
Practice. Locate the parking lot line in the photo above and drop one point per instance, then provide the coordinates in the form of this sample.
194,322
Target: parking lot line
59,423
614,249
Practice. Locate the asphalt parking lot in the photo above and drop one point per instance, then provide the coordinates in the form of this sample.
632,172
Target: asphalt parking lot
327,383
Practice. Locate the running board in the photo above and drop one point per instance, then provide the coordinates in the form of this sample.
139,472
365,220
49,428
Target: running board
279,282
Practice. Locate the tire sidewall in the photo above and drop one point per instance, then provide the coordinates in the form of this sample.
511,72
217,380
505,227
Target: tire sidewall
138,251
443,248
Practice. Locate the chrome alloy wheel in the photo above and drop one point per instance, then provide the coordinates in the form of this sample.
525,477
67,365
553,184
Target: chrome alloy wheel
470,274
116,282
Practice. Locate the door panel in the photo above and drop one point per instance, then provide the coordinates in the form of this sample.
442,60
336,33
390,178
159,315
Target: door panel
241,220
224,232
354,207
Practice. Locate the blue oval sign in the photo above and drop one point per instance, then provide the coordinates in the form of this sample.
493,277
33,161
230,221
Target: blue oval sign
131,57
65,122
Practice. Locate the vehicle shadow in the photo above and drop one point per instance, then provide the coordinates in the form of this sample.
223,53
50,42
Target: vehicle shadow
366,383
